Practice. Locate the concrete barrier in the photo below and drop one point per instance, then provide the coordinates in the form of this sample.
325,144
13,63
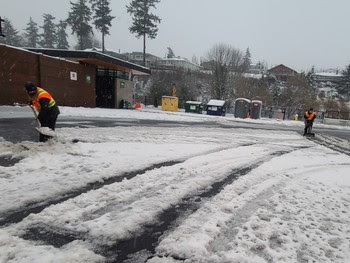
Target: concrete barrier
336,122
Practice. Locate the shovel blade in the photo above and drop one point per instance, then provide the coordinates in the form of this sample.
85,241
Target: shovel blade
46,131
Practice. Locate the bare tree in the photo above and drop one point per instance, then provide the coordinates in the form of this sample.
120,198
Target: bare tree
297,95
225,62
252,89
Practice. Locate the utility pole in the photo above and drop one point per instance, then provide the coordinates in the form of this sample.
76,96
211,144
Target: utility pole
1,34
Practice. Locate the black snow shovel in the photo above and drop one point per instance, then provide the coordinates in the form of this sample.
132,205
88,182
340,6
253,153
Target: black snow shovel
43,130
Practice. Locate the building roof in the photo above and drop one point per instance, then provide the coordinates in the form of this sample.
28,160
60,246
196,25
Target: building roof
95,58
282,69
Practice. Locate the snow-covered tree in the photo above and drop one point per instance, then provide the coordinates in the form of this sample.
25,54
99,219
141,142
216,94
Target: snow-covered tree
48,37
32,33
170,53
102,18
194,59
79,18
62,42
297,95
144,22
12,36
225,62
311,77
247,60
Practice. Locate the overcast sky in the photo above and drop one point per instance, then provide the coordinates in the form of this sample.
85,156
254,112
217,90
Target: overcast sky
297,33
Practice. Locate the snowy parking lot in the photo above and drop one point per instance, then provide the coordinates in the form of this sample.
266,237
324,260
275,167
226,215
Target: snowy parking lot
173,194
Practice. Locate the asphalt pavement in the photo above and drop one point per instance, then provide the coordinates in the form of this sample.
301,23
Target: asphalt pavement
22,129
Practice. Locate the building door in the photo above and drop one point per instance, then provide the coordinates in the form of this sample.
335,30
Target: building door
105,92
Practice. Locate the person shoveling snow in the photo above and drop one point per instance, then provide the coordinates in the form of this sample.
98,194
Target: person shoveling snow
42,102
309,117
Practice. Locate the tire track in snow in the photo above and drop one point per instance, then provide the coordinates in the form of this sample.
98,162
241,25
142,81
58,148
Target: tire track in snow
19,214
147,239
332,143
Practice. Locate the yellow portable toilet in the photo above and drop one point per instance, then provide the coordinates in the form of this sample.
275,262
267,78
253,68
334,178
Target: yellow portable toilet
170,103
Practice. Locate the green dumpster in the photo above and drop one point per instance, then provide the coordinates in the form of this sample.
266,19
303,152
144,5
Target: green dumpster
194,107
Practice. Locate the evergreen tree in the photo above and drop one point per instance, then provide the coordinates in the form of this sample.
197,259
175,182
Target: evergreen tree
144,22
170,53
32,33
62,42
346,72
310,76
48,37
79,19
11,35
345,87
90,41
102,18
247,60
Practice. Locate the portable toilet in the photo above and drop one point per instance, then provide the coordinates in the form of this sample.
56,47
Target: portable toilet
255,109
216,107
194,106
242,107
170,103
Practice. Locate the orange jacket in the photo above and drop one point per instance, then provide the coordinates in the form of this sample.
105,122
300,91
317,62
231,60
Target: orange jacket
310,116
42,94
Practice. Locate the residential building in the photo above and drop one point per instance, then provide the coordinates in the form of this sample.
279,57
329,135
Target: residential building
137,58
282,73
173,63
332,75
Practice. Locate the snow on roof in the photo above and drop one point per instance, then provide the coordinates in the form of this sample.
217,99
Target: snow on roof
329,74
216,103
243,99
37,52
172,97
194,102
253,75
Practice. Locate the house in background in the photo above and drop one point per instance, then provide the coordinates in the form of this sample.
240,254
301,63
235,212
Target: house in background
332,75
176,63
282,73
137,58
158,63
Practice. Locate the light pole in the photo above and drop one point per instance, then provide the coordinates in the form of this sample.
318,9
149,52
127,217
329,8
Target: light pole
1,34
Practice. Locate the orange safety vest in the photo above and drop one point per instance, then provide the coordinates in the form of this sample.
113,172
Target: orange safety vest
42,94
310,116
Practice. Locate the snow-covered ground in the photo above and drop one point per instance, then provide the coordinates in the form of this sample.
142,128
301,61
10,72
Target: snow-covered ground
283,199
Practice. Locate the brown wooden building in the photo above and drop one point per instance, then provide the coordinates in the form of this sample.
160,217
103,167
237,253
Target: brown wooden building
282,72
74,78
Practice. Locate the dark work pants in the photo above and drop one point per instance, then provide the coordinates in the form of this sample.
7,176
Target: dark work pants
49,120
307,125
